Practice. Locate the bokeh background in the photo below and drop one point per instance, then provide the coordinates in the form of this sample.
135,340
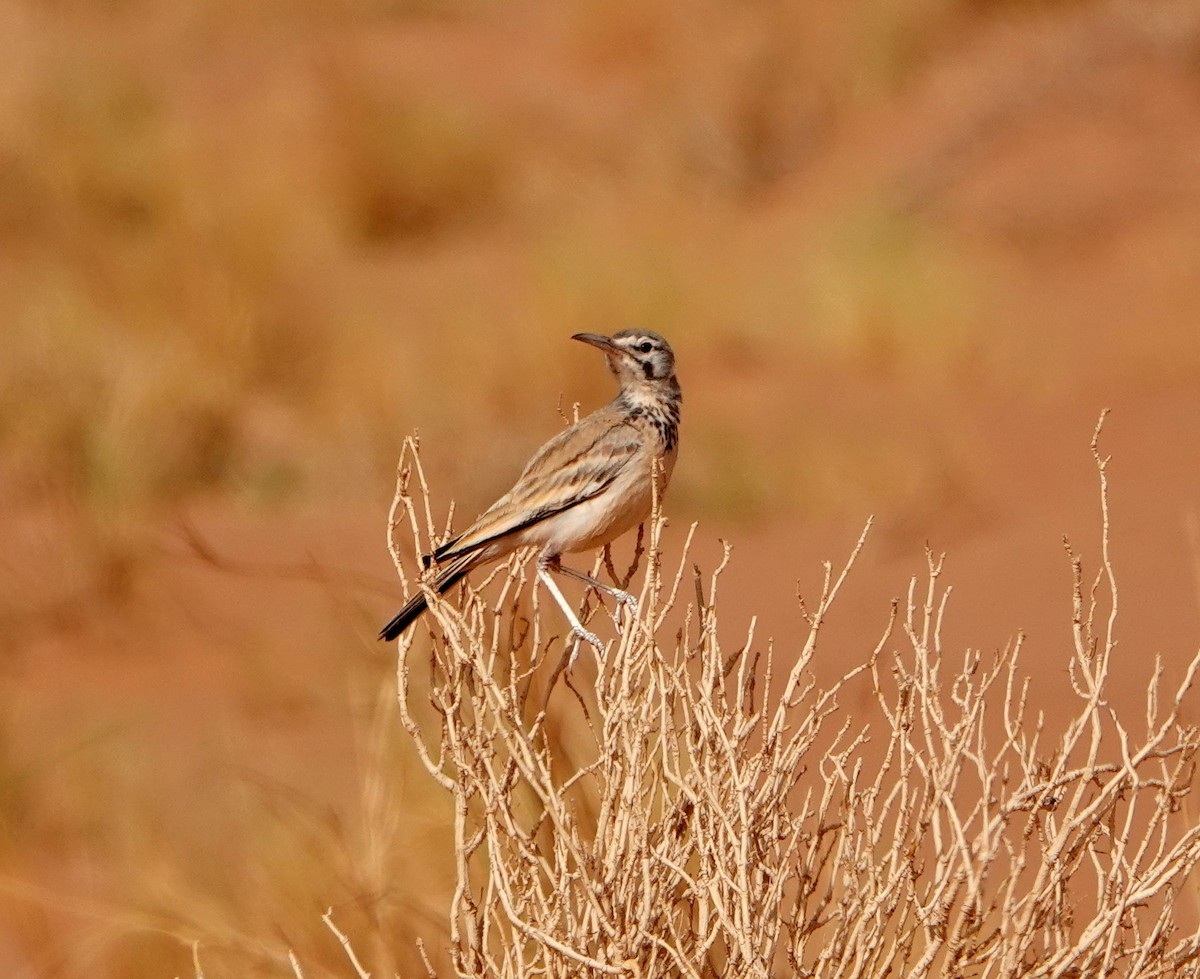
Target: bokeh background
906,251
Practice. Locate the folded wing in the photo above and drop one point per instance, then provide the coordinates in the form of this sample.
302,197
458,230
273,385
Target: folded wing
570,469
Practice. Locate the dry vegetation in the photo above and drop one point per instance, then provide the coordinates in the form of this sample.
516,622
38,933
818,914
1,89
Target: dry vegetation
698,810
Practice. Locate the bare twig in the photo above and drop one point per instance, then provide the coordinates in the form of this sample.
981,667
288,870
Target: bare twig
684,814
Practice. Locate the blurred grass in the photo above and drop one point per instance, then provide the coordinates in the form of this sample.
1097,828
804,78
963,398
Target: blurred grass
193,276
130,837
409,168
251,269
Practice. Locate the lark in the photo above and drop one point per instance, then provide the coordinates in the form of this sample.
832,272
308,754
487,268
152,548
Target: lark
584,488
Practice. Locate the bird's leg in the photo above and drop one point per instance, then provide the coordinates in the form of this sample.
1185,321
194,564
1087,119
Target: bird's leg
621,597
544,566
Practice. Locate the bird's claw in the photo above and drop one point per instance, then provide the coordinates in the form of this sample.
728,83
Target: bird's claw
582,635
624,601
624,598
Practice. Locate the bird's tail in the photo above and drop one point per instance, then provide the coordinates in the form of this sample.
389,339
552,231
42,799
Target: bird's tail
447,578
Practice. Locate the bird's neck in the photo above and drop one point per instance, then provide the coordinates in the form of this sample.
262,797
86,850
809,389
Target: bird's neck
658,403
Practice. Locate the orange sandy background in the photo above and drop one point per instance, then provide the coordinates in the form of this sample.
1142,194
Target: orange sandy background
906,252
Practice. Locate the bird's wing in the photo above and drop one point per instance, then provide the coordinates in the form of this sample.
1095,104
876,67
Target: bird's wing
570,469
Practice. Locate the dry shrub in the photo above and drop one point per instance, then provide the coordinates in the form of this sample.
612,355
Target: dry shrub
700,811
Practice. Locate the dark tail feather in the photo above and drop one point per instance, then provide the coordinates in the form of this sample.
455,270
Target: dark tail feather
404,618
413,608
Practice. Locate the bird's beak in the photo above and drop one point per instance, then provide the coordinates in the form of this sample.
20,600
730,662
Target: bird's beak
596,340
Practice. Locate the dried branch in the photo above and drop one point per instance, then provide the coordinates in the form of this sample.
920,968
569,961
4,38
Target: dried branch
686,812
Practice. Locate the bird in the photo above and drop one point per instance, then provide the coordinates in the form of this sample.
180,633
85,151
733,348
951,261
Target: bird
585,487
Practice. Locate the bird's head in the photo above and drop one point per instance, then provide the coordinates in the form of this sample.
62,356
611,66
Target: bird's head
636,357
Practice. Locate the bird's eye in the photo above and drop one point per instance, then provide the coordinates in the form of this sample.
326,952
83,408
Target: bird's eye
645,346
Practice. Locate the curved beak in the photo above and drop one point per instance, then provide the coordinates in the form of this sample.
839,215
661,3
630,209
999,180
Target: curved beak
596,340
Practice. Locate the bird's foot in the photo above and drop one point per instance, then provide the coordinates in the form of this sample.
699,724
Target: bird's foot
582,635
626,602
